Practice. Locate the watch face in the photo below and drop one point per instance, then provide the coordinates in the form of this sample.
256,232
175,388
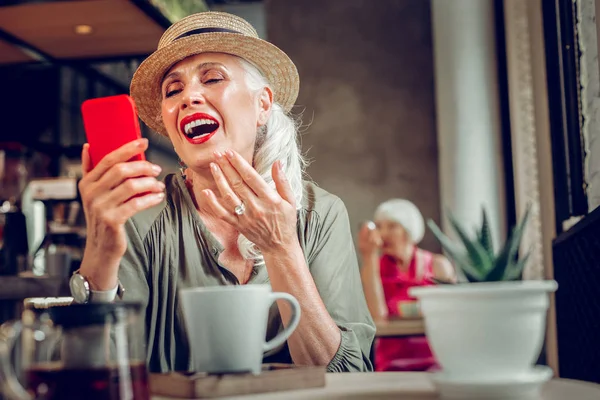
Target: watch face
80,289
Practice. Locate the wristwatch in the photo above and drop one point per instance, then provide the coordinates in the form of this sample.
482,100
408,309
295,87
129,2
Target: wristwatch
82,293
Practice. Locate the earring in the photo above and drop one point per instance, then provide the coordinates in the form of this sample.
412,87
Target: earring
182,168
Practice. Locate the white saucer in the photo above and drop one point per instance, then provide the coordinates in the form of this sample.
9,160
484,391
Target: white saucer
523,387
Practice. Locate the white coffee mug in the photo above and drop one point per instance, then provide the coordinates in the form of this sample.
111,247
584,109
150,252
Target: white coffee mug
227,326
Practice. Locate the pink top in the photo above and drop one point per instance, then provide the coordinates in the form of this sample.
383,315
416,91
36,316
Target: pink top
409,353
396,282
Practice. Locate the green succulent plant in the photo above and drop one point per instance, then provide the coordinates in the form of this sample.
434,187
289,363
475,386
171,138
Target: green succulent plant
476,257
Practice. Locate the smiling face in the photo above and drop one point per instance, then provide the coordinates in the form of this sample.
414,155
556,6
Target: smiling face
207,105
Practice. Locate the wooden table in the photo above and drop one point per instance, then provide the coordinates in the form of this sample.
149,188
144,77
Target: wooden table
400,327
406,386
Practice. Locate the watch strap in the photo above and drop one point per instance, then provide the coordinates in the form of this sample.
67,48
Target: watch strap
103,296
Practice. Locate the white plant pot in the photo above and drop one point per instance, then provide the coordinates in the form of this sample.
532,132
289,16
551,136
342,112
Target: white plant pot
478,330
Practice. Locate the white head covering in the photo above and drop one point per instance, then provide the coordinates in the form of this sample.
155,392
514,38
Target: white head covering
406,214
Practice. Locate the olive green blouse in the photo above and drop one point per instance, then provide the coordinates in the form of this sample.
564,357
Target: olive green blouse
170,248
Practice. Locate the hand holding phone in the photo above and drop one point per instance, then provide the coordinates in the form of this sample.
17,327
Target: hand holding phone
110,122
113,190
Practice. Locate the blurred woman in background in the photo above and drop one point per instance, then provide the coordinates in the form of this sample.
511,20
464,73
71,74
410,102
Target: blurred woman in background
392,264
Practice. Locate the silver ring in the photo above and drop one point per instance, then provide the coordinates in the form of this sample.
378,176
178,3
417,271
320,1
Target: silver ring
240,208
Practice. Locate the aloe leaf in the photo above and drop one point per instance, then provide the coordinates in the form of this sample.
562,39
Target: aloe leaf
497,273
470,273
508,253
515,271
452,250
461,261
480,258
485,235
521,227
441,281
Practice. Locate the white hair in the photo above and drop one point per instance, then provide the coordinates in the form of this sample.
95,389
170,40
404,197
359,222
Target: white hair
277,140
406,214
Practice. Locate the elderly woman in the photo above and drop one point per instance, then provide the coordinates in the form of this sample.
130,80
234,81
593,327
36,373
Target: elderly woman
239,213
393,263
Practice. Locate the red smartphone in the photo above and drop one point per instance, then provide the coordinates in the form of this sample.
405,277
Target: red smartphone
110,122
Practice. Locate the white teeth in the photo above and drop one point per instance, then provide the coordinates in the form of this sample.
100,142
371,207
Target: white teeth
188,127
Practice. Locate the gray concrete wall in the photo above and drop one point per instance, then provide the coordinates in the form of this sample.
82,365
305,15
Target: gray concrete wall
367,90
589,43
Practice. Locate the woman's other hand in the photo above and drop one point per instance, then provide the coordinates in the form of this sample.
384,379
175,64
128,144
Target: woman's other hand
269,217
369,240
111,193
443,270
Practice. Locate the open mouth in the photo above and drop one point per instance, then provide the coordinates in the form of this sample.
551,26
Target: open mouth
199,127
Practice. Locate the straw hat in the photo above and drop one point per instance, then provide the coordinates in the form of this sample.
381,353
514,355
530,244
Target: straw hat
210,32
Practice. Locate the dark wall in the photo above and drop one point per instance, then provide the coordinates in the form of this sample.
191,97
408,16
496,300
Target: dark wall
577,270
367,91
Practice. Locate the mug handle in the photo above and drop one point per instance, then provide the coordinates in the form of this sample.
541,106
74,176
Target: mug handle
282,336
9,384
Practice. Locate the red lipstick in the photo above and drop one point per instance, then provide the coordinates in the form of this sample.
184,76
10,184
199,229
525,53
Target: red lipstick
205,127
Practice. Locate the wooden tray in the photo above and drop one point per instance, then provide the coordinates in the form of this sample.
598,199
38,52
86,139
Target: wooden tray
274,377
